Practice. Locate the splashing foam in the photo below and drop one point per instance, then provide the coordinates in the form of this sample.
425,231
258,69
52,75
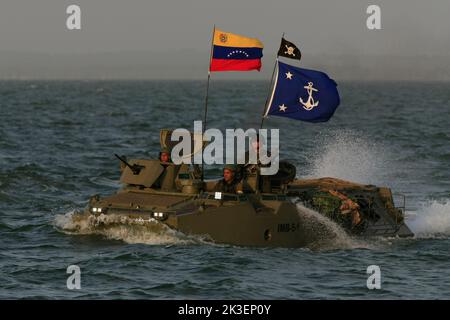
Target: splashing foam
329,235
432,220
348,155
122,228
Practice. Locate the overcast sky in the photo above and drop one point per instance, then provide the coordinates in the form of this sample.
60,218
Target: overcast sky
171,38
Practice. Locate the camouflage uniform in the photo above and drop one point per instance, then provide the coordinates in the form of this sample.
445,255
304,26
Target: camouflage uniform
251,176
232,187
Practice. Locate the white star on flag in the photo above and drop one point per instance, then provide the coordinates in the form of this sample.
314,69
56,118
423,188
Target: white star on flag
289,75
282,107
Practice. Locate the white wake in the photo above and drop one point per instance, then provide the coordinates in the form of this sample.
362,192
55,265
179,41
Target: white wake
327,234
431,220
117,227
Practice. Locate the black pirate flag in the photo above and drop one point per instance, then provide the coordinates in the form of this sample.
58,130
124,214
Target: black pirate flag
289,50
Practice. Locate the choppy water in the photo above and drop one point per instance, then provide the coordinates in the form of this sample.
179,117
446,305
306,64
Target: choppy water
57,141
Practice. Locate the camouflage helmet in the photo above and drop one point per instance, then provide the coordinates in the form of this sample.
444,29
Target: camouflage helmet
164,150
230,167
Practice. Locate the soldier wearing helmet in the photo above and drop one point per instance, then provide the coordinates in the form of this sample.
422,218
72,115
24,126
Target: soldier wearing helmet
164,155
229,183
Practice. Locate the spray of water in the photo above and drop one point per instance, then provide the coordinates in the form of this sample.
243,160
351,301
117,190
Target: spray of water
431,220
122,228
351,156
328,234
348,155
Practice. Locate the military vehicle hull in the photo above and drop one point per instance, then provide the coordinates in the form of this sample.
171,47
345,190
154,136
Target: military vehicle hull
281,219
281,211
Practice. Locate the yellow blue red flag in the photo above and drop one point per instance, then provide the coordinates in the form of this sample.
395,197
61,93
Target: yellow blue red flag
232,52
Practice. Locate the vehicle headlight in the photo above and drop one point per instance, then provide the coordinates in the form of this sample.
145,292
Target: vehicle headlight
159,215
98,210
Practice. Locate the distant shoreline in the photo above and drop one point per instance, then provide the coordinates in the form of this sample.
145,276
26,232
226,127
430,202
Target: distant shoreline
215,80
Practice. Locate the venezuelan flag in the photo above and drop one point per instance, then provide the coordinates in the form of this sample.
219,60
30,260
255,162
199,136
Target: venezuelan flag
232,52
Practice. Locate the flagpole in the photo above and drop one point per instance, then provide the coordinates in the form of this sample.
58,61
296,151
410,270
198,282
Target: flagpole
270,86
207,92
268,95
209,77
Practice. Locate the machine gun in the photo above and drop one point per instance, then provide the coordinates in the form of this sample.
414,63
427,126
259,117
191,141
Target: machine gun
135,168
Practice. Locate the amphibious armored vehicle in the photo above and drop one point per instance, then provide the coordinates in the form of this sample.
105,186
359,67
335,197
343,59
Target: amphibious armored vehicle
275,215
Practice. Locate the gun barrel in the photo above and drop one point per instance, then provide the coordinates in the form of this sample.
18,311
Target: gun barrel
135,168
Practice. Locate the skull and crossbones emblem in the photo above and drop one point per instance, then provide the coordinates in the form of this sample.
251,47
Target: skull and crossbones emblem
290,50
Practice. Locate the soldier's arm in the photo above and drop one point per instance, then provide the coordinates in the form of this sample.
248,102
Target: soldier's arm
240,187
